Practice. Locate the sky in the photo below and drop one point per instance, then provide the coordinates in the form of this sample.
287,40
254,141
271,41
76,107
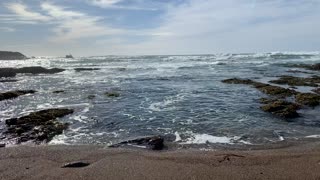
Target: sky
156,27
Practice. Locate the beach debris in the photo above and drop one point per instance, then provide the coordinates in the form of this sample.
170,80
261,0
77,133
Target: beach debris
280,108
298,81
38,127
112,94
2,145
58,91
15,94
154,142
226,157
12,72
77,164
86,69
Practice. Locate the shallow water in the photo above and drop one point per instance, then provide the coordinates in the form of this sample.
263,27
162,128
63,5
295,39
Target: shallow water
178,96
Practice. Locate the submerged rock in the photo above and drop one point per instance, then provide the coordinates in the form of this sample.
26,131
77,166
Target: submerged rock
308,99
112,94
298,81
313,67
58,91
38,127
86,69
11,72
154,142
14,94
280,108
8,55
8,80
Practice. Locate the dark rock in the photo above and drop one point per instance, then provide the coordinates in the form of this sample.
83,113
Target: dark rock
69,56
313,67
11,72
58,91
280,108
298,81
14,94
86,69
316,90
91,96
112,94
78,164
265,88
7,55
8,80
2,145
154,142
308,99
37,126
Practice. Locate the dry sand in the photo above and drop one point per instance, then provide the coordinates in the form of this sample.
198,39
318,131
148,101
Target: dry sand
44,162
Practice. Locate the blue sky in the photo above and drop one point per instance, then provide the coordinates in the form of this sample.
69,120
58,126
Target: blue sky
138,27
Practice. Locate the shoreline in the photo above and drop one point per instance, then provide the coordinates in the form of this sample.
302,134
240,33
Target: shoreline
45,162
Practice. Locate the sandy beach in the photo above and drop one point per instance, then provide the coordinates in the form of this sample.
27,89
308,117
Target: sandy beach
45,162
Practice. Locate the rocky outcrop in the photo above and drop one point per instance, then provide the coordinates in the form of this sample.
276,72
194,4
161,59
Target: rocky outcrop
8,55
12,72
15,94
308,99
38,127
313,67
280,108
312,81
154,142
86,69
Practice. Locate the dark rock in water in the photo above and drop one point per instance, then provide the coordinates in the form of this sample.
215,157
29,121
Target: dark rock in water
316,91
308,99
69,56
91,96
58,91
78,164
280,108
112,94
298,81
265,88
14,94
7,55
86,69
8,80
38,127
313,67
2,145
12,72
154,143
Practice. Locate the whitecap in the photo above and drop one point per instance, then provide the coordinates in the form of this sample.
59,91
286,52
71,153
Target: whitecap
313,136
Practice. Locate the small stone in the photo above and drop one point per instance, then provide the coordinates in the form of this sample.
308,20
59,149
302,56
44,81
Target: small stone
77,164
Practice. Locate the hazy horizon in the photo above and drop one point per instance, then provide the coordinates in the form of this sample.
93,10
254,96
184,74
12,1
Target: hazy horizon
141,27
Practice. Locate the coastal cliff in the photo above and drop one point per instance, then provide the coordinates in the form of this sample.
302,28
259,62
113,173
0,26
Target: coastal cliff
8,55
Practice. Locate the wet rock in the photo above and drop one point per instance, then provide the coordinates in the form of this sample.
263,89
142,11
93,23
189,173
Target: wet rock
8,55
154,142
316,90
39,126
15,94
11,72
298,81
280,108
86,69
2,145
58,92
308,99
313,67
8,80
265,88
91,96
112,94
78,164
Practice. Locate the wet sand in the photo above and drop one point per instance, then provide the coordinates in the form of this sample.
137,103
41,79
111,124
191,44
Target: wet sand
44,162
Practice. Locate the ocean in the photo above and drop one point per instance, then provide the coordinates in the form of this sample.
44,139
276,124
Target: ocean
179,97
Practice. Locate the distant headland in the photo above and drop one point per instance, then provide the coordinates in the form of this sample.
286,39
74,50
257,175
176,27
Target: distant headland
8,55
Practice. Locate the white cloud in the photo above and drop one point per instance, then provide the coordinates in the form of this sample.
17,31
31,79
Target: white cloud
115,4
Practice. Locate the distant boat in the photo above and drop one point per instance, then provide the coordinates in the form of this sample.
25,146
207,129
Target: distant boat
69,56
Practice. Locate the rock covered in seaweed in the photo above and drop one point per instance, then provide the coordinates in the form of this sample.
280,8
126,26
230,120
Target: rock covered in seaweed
281,108
308,99
15,94
298,81
38,127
